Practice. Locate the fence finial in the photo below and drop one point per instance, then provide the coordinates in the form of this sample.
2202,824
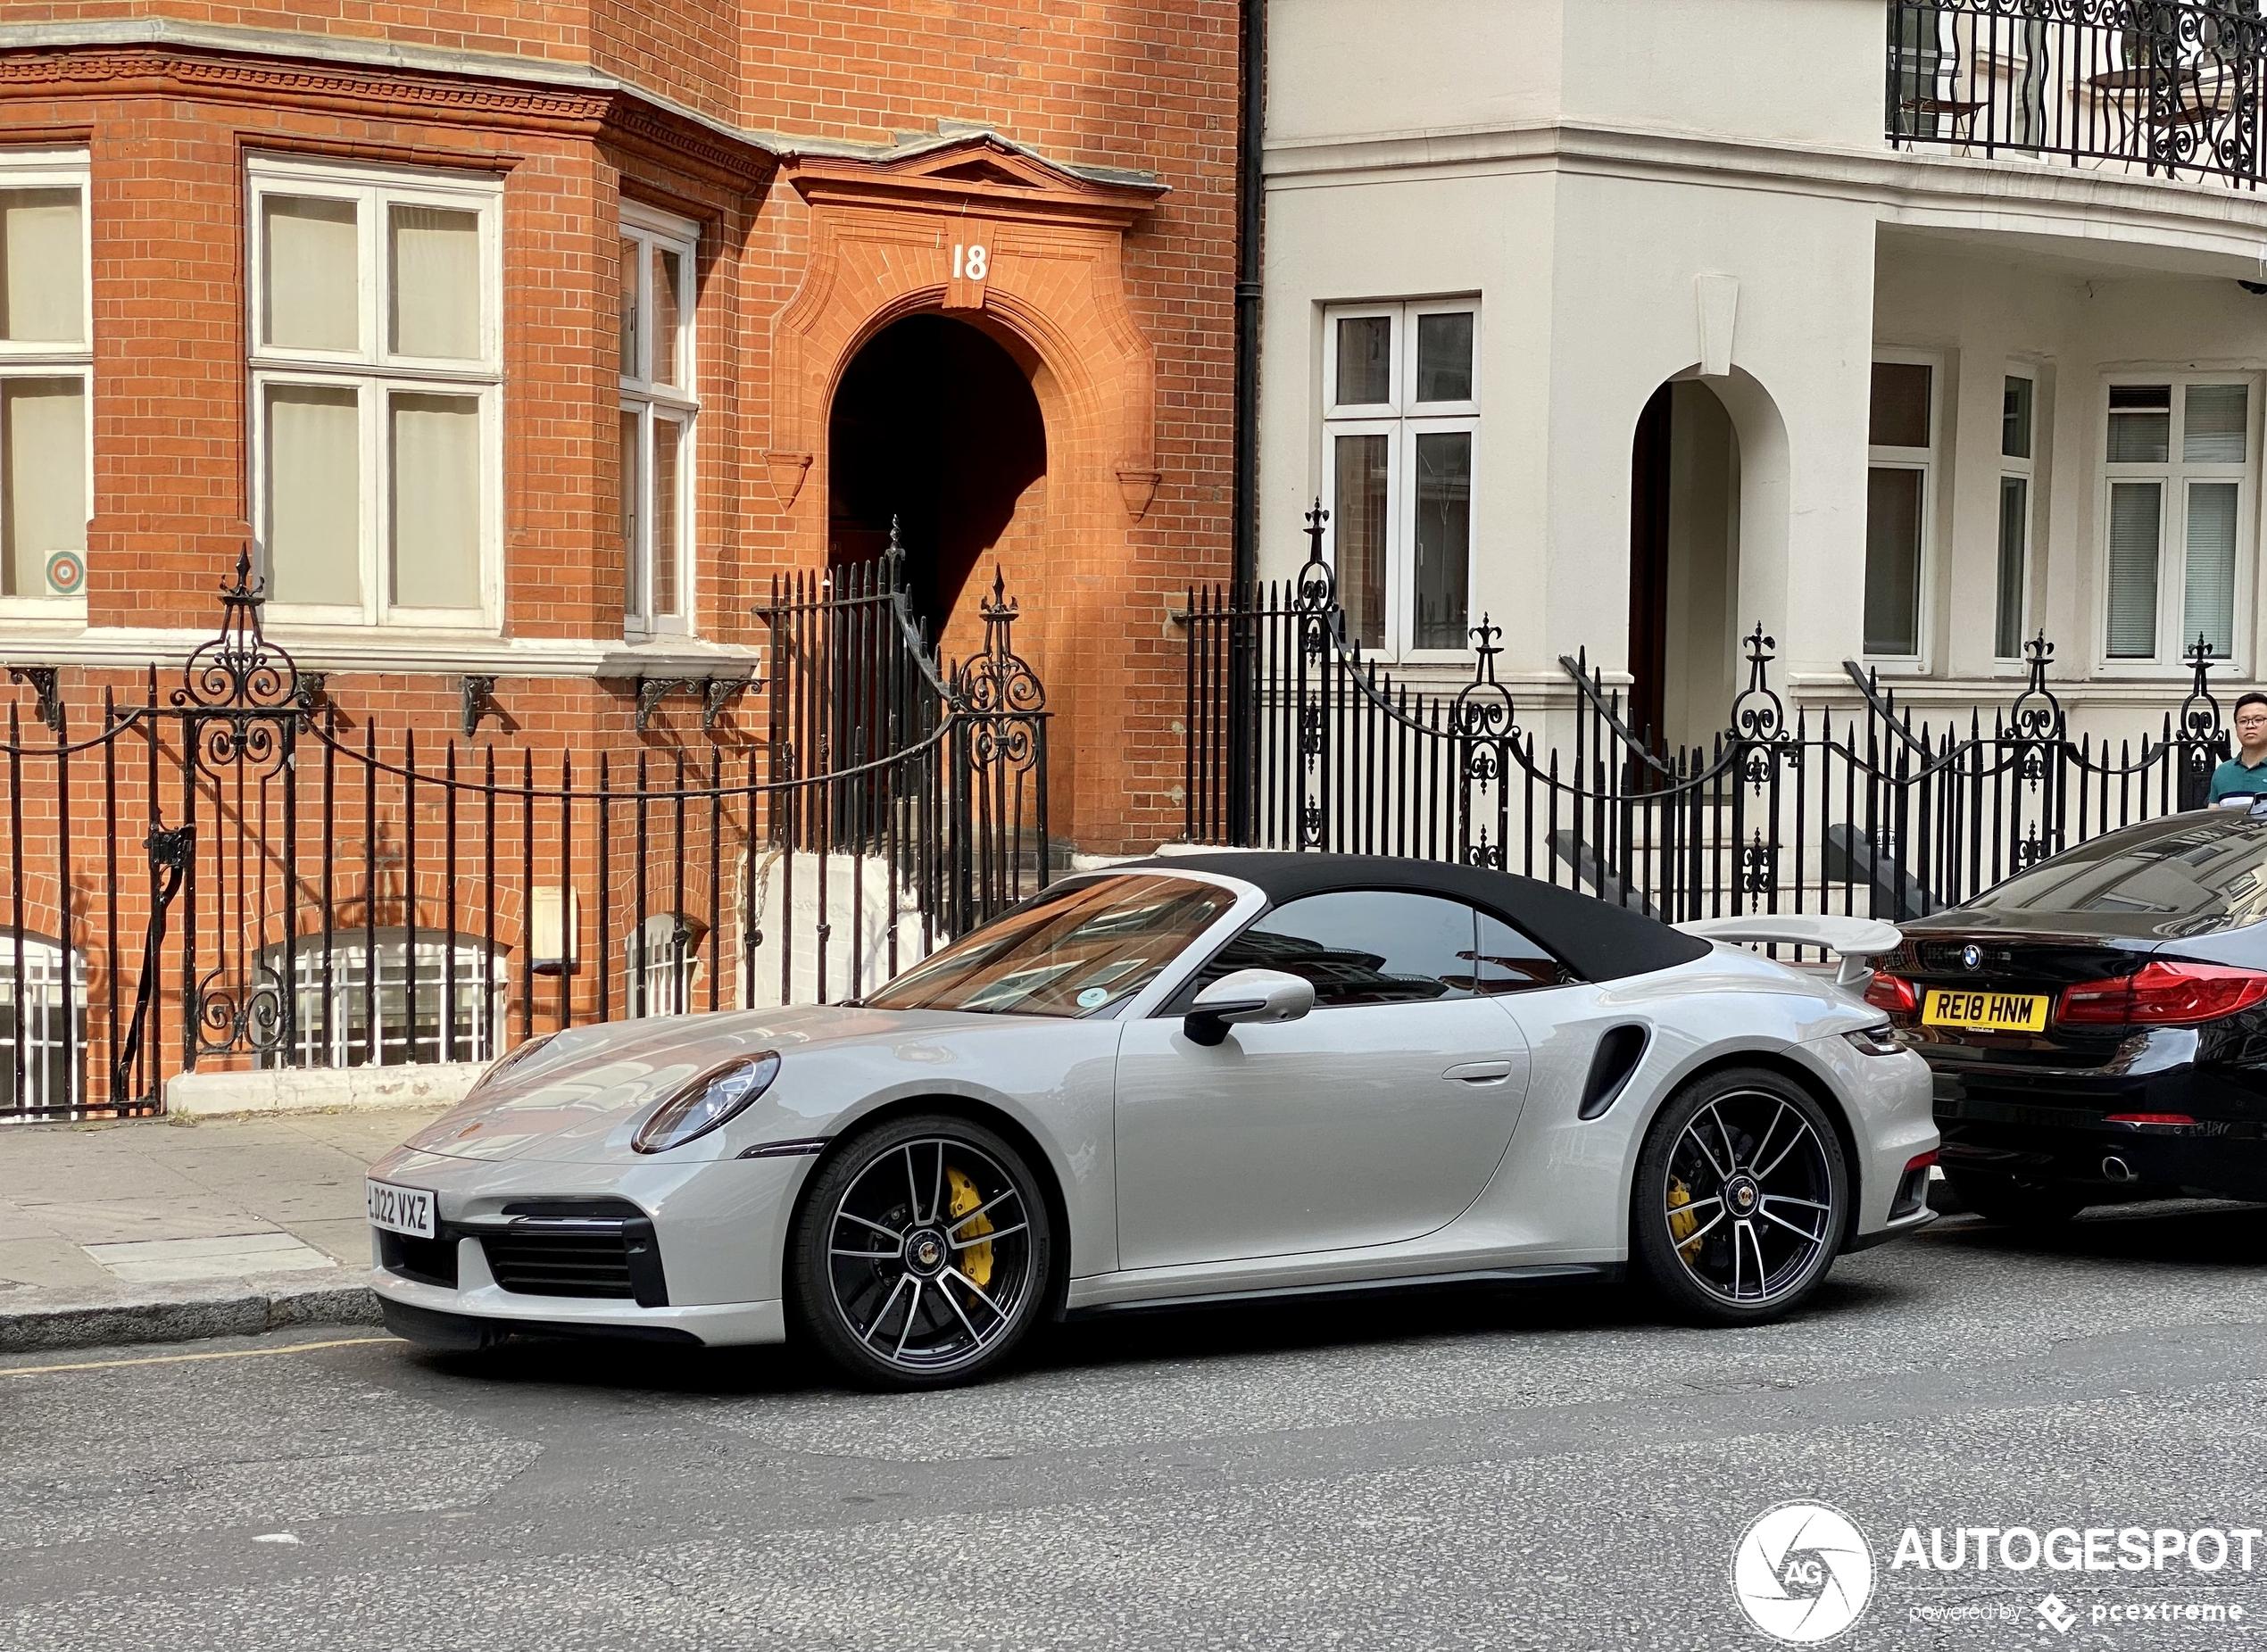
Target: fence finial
1317,583
2037,714
1485,648
239,670
2200,728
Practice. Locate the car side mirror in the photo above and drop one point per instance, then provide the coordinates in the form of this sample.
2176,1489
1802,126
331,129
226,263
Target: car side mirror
1262,996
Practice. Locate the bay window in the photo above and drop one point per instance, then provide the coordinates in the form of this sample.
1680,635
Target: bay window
1400,426
657,412
2178,510
375,376
46,370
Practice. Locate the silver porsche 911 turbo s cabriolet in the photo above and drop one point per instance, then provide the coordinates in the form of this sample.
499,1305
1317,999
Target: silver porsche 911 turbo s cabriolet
1191,1079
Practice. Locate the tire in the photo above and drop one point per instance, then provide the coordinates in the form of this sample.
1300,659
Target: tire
922,1254
1747,1134
2031,1205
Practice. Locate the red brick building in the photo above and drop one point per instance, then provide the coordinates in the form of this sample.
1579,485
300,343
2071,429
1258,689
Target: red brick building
528,342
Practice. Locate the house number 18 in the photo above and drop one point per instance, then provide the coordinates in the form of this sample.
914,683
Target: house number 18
969,263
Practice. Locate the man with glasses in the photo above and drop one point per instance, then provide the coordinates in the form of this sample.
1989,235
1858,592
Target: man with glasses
2245,775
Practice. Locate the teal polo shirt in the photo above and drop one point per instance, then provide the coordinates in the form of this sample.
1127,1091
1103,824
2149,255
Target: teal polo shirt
2235,777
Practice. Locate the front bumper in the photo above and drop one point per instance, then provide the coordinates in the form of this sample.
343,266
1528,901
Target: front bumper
654,1251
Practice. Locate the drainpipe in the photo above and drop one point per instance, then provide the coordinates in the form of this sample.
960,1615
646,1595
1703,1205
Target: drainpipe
1244,462
1249,217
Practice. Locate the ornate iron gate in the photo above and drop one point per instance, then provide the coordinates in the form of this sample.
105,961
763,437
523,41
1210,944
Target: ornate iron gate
290,890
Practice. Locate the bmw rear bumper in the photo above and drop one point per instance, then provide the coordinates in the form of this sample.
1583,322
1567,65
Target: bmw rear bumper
2057,1128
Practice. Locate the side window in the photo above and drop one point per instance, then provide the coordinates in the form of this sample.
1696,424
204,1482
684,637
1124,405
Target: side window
1507,961
1360,947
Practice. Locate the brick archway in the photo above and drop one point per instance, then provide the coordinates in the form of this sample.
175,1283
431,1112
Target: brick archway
900,239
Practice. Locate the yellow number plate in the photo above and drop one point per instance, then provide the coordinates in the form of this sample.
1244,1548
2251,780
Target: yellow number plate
1986,1012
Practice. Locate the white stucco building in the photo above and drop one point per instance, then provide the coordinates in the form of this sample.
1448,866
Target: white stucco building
1635,323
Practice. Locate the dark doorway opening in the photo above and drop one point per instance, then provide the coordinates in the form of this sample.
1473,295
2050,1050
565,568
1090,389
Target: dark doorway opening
935,424
1685,565
1650,480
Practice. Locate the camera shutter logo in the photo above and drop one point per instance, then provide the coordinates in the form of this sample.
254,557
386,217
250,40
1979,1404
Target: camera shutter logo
1803,1573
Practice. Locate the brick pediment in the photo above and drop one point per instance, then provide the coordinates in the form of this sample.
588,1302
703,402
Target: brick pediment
980,172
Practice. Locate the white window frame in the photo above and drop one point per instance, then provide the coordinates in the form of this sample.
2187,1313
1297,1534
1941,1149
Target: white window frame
657,982
482,977
58,168
649,400
2026,471
1403,420
374,371
2173,539
1929,462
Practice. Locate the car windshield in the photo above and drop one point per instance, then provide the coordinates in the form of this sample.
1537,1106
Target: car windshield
2185,874
1074,951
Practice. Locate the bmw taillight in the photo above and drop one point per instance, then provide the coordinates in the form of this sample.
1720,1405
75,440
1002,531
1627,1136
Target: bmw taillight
1893,993
2163,994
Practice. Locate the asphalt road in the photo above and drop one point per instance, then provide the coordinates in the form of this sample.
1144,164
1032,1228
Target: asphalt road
1544,1469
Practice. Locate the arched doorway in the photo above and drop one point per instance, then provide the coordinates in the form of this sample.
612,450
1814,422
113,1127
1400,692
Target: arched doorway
935,425
1685,486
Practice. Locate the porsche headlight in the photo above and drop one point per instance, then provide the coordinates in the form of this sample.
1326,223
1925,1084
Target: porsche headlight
708,1101
512,1058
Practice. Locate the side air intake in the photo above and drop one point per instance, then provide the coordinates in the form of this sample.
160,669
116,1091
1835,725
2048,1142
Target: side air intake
1618,1054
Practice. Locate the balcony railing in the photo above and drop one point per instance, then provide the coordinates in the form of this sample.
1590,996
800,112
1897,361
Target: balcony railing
2156,87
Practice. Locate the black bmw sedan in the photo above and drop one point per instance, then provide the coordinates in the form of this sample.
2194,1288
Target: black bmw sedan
2097,1024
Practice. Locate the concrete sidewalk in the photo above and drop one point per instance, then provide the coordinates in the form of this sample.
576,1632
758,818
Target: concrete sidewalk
159,1229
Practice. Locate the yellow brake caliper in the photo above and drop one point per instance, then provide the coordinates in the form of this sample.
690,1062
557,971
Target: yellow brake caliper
1682,1222
975,1262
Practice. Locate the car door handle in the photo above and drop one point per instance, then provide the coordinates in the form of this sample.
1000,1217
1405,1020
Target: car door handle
1480,1071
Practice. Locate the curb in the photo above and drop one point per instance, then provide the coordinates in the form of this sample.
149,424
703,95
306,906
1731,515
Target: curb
36,1320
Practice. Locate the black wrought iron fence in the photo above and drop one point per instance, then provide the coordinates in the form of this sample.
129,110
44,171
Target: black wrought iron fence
228,873
1296,741
2169,88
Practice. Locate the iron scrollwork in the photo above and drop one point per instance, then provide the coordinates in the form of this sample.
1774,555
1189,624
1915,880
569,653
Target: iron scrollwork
2035,720
1759,716
1484,719
170,850
999,692
240,692
241,702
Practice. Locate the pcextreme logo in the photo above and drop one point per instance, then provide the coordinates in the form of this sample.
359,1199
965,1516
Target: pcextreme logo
1803,1573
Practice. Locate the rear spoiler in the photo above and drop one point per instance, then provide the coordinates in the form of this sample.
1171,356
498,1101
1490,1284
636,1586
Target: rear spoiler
1854,939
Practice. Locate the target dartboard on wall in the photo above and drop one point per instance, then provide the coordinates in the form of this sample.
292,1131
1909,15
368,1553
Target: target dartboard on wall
66,574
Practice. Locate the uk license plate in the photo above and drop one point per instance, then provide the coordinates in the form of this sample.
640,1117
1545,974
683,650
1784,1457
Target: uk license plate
400,1209
1986,1012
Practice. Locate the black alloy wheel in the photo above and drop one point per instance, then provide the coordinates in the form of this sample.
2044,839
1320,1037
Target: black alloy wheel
922,1253
2013,1203
1742,1197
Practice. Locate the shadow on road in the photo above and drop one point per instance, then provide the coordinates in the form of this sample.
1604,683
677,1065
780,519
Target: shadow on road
1227,1332
2191,1233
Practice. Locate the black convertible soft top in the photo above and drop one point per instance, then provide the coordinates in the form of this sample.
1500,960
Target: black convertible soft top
1597,940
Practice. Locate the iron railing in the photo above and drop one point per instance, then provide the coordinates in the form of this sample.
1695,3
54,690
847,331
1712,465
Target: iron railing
1867,812
232,873
2169,88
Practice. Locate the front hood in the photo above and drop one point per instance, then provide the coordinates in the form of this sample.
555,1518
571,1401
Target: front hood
582,1095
